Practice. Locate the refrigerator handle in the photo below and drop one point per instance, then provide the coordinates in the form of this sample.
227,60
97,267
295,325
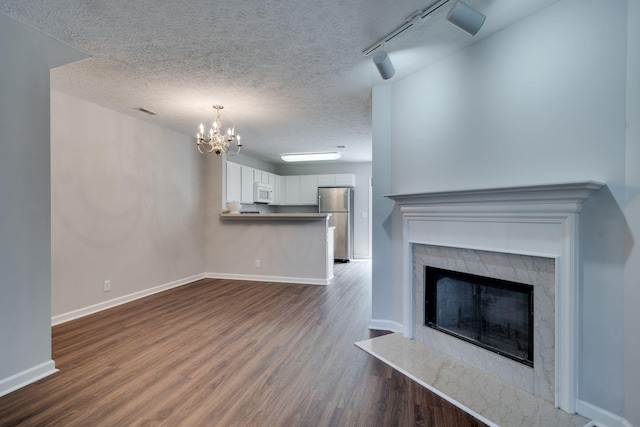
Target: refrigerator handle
320,203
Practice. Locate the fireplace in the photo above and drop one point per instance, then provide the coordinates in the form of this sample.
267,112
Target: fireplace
527,235
513,270
494,314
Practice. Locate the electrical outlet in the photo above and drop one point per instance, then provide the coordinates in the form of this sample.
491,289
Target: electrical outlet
257,263
106,287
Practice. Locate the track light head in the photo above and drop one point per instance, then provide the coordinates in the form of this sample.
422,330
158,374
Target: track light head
384,65
465,17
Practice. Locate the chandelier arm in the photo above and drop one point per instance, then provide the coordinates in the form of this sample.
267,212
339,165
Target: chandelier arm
233,154
204,147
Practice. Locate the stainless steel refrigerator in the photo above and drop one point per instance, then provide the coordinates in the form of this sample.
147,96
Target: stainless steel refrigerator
338,201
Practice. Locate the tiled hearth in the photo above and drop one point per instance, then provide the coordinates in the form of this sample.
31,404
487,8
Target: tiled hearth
490,400
524,234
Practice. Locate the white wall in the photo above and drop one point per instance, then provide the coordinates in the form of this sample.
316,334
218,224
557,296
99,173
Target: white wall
632,216
25,252
362,171
126,205
542,101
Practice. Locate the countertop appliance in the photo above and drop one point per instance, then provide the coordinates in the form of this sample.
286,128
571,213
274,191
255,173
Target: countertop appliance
338,201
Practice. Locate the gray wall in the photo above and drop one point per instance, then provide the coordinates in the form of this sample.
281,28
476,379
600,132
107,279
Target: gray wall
25,234
542,101
632,217
288,250
383,309
125,207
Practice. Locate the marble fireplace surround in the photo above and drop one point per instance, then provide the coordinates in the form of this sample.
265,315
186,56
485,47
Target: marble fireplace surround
536,271
527,222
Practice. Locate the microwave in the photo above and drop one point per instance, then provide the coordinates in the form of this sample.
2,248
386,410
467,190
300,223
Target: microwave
263,193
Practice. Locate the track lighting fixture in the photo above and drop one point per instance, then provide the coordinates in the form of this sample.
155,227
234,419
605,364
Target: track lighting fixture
465,17
461,15
383,64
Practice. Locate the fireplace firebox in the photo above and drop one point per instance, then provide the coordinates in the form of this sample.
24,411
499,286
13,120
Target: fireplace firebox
491,313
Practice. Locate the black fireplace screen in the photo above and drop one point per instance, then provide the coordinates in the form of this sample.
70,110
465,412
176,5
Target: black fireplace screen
491,313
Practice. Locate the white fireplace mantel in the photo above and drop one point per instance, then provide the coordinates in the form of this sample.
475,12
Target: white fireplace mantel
549,198
536,220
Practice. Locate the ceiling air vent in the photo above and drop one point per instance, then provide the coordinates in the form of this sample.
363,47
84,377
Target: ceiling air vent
144,110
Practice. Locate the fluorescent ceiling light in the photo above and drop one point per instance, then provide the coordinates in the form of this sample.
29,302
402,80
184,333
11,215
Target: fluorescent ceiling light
310,157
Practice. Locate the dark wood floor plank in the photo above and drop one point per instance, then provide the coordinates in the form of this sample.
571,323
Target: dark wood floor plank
229,353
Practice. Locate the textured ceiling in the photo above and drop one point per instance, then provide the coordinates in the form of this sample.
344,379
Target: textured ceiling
290,73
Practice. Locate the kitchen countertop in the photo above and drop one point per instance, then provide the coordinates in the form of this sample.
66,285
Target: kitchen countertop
271,216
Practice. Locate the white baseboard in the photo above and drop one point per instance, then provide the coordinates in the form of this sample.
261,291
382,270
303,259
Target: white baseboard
385,325
277,279
600,417
81,312
75,314
26,377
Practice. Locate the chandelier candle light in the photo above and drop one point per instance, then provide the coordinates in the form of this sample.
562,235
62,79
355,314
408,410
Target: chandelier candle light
216,142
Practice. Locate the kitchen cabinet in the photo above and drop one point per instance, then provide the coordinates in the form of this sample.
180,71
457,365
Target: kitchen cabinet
247,185
241,184
337,180
278,190
261,177
345,180
309,189
326,180
234,182
287,190
292,190
301,190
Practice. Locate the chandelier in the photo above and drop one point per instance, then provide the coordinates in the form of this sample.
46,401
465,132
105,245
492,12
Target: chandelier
216,142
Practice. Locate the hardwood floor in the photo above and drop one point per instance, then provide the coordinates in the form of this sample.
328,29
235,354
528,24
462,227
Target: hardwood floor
229,353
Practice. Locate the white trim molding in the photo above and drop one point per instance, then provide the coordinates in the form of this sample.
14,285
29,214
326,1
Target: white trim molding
537,220
276,279
385,325
85,311
26,377
600,417
81,312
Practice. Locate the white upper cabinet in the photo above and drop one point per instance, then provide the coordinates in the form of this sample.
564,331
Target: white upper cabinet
309,189
345,180
234,182
337,180
247,185
287,190
278,190
261,177
326,180
292,190
300,190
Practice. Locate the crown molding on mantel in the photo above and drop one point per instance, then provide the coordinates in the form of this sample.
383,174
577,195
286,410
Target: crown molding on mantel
558,197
